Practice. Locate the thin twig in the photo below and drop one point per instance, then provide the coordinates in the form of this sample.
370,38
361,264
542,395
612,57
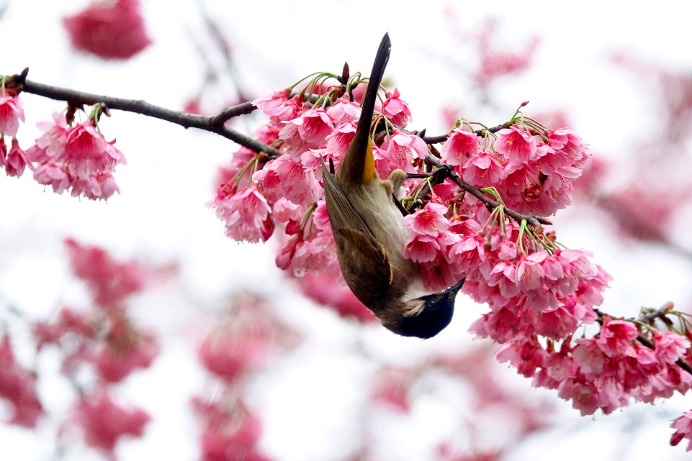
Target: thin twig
649,316
491,204
224,48
443,137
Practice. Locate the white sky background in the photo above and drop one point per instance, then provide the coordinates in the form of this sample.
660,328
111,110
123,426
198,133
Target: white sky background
160,215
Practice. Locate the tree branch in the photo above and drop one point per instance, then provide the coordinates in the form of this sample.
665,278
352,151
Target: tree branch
216,124
213,124
443,137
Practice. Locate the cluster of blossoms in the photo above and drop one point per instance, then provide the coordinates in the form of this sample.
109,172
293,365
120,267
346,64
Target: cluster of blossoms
14,160
109,30
18,387
530,167
249,336
104,337
102,341
75,158
539,293
69,156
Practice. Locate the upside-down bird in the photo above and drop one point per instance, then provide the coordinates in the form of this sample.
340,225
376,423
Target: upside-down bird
370,234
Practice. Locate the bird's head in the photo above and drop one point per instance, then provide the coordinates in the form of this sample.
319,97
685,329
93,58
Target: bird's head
428,315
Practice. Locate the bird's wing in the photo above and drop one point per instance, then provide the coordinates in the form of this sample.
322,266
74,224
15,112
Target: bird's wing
342,213
365,266
363,260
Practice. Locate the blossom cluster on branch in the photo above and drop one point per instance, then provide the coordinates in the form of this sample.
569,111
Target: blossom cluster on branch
69,156
540,294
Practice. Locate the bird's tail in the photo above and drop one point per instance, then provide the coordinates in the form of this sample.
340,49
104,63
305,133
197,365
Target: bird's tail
358,165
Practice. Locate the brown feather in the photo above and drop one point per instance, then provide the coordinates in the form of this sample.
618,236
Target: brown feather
368,227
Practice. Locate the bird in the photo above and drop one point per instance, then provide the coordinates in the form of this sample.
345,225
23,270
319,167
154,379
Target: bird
369,232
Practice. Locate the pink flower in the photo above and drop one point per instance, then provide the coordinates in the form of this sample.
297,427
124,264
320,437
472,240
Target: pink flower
49,174
314,125
284,177
69,322
338,142
542,183
343,111
75,158
315,255
584,395
16,160
429,220
229,356
320,217
279,107
288,213
105,422
246,215
398,151
18,386
11,113
87,152
124,349
460,146
51,143
515,145
526,357
111,281
482,169
439,274
683,430
239,444
530,273
396,110
495,61
111,30
589,356
616,338
392,388
285,255
669,346
565,142
421,248
468,254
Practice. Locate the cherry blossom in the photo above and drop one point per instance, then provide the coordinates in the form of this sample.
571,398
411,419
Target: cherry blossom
246,214
683,430
110,30
16,160
11,113
396,110
18,387
460,147
110,281
75,158
104,422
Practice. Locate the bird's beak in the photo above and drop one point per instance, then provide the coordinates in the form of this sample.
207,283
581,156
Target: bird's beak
455,288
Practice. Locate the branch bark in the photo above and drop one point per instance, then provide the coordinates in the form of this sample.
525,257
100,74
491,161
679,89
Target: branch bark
214,124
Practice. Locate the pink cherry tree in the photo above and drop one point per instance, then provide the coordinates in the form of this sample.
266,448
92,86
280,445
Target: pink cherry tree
480,205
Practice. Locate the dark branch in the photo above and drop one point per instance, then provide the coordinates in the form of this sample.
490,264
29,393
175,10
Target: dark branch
213,124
